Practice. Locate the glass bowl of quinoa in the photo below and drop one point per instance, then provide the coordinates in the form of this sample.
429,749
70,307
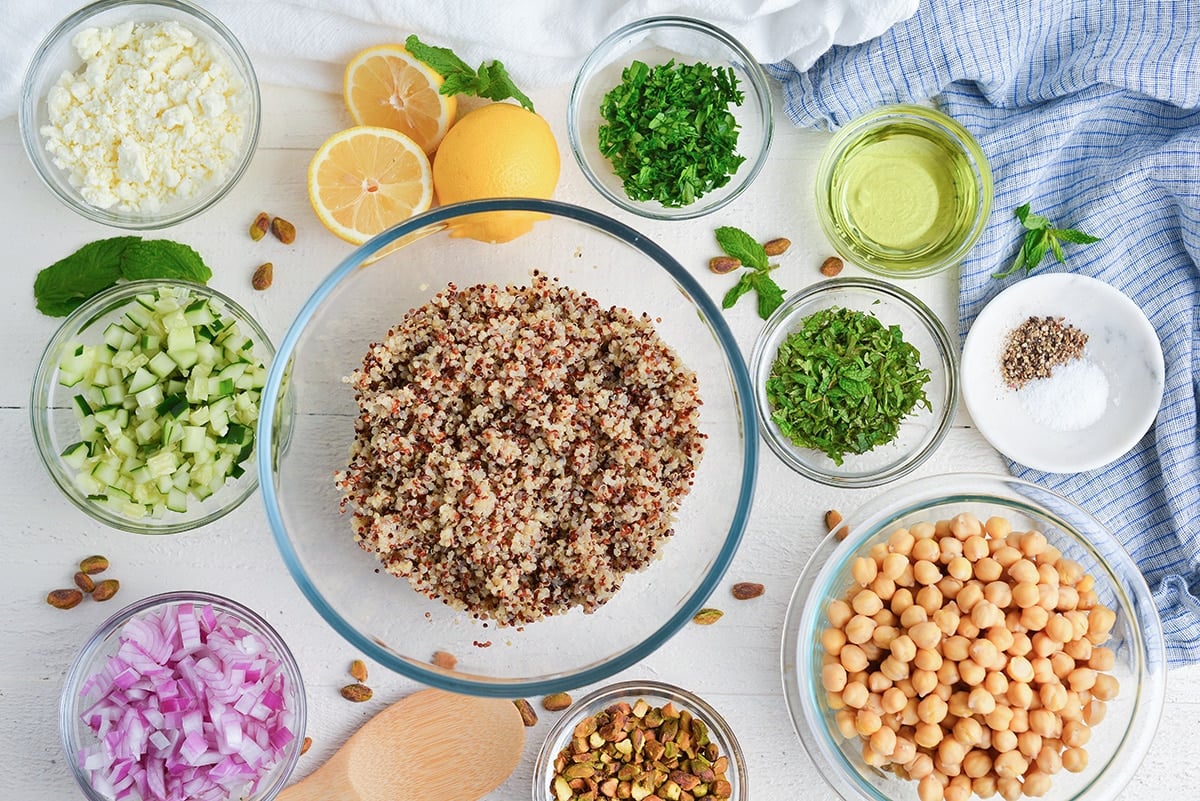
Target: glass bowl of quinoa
140,114
534,459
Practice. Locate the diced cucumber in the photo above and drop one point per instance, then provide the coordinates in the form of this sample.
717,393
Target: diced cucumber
166,403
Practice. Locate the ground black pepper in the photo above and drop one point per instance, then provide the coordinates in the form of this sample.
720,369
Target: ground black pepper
1035,347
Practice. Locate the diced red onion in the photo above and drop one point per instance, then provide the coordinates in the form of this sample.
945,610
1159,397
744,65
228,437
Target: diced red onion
191,706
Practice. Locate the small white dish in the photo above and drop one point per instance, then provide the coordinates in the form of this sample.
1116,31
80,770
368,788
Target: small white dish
1121,342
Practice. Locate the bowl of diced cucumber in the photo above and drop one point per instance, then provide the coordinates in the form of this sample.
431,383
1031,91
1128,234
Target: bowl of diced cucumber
145,403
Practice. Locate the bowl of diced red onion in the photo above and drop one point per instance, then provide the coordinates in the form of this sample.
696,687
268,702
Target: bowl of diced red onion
183,695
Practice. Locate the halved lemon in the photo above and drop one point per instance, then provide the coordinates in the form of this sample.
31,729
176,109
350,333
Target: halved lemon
387,87
365,179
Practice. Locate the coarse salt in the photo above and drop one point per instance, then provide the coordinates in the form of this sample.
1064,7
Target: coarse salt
154,114
1071,399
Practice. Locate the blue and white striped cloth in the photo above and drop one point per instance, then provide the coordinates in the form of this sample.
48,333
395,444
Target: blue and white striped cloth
1087,110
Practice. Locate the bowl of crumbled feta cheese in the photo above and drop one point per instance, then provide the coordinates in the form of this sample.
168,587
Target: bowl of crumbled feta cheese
141,114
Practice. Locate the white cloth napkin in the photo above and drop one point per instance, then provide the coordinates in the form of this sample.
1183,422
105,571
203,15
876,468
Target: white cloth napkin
307,42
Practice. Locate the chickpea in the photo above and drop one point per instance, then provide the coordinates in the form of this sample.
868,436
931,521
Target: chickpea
1106,687
932,709
1101,619
1069,571
832,641
927,735
1019,669
948,674
998,527
1062,665
1035,784
988,569
867,722
977,763
949,587
986,614
1102,659
1068,598
920,766
904,752
853,658
996,682
864,570
1088,599
984,652
999,719
943,691
969,595
926,572
959,789
968,731
1019,695
924,682
859,629
1049,761
885,588
1047,596
871,757
930,789
894,669
872,651
901,541
950,752
833,678
894,700
903,648
893,565
883,741
960,568
1050,556
1020,720
1029,743
930,598
1074,759
883,634
1076,734
866,603
984,786
913,616
1001,637
1035,617
999,593
1021,644
839,613
845,724
1044,722
927,659
947,619
1007,556
1059,629
901,599
925,634
957,703
967,629
909,716
1003,741
1025,594
971,672
1043,644
878,551
925,551
1053,697
1043,670
924,530
855,694
1009,787
949,549
1010,764
1080,650
878,683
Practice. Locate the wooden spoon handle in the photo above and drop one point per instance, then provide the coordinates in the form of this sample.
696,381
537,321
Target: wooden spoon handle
321,785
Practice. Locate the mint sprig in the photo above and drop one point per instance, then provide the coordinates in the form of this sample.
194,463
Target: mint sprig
1040,237
60,288
740,245
491,81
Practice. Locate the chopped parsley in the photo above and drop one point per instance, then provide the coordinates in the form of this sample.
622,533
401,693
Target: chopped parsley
669,132
843,382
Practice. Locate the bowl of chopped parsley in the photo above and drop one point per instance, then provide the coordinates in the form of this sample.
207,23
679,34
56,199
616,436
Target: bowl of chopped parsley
670,118
856,382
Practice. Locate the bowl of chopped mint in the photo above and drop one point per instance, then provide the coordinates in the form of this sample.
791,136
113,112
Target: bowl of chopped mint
670,118
856,382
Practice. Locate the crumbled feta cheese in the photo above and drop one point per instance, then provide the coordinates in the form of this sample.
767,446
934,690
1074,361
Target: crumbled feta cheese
154,114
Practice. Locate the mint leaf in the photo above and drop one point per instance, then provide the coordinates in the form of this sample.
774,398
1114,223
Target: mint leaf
744,285
770,294
1071,235
1041,236
490,81
60,288
162,258
740,245
1034,222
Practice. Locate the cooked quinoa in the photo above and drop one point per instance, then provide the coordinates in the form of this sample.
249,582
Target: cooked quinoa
520,450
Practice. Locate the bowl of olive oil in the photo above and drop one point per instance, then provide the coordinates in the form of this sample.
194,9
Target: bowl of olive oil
903,191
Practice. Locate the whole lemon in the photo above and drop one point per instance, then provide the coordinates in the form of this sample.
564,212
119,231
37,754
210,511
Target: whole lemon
497,150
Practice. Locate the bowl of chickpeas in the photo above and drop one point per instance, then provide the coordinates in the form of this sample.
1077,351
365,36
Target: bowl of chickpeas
973,635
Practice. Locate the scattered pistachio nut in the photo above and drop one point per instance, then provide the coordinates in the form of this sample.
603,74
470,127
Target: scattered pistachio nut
777,246
263,277
93,564
105,589
745,590
444,659
833,519
84,582
358,669
831,266
283,230
357,693
528,713
723,264
556,702
64,599
644,752
307,744
258,228
708,616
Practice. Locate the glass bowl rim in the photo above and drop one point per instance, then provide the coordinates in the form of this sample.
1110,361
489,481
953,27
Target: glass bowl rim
266,439
43,387
86,656
786,314
928,116
831,558
761,91
611,693
30,137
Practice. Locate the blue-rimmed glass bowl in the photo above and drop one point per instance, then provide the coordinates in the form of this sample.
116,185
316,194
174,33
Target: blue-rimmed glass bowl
1118,742
356,304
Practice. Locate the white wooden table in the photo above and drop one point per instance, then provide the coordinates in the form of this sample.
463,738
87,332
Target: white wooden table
734,664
